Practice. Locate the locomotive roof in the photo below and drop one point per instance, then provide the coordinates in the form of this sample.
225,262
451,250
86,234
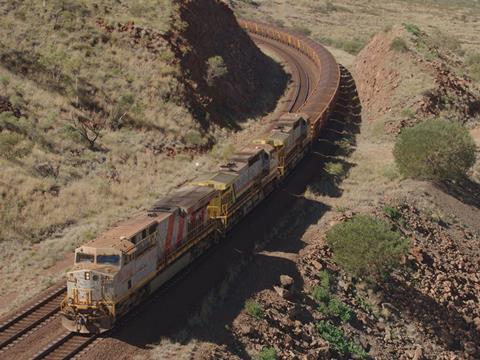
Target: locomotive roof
220,180
188,198
119,235
278,135
285,123
247,153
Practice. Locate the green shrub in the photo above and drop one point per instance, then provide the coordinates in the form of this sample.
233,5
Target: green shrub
216,68
337,340
333,335
321,294
325,279
366,246
435,150
327,304
254,309
268,353
356,350
335,169
399,45
412,29
339,309
391,212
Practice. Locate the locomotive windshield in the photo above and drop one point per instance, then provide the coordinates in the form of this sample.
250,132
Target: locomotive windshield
84,258
108,259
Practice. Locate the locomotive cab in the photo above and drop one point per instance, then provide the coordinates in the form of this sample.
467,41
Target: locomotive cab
89,304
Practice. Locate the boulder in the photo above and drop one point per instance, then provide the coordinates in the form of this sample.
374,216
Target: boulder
286,281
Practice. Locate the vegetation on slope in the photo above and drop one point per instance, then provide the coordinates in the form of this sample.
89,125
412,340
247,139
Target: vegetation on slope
435,150
365,246
94,95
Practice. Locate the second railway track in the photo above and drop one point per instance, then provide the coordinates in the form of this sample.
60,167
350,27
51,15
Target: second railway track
30,318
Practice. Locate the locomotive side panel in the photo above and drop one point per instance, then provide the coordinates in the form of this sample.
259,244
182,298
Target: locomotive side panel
163,228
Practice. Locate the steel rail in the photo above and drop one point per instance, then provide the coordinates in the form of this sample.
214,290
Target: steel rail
303,88
30,318
65,346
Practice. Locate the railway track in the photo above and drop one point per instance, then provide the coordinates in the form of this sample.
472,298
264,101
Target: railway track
301,77
67,345
30,318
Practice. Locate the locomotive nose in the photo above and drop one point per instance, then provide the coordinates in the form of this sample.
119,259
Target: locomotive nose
85,308
84,287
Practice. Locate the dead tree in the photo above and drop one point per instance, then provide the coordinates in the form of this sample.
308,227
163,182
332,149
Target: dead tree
89,126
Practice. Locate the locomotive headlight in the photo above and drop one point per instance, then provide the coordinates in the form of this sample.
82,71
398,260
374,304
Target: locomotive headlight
87,275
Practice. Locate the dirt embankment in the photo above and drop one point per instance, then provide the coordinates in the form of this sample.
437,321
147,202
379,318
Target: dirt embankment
405,74
243,83
224,78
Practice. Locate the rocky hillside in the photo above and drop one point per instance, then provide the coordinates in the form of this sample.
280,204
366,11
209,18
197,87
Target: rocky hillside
229,79
405,74
103,106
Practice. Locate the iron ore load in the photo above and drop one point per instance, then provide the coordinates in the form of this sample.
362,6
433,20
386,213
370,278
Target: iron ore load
121,267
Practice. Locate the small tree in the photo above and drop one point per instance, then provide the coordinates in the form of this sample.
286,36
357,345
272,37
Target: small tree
365,246
267,353
435,150
215,68
89,127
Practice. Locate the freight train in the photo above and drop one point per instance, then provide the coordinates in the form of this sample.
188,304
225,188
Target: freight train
122,266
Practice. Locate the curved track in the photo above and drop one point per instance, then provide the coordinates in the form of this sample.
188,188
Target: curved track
301,69
306,78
